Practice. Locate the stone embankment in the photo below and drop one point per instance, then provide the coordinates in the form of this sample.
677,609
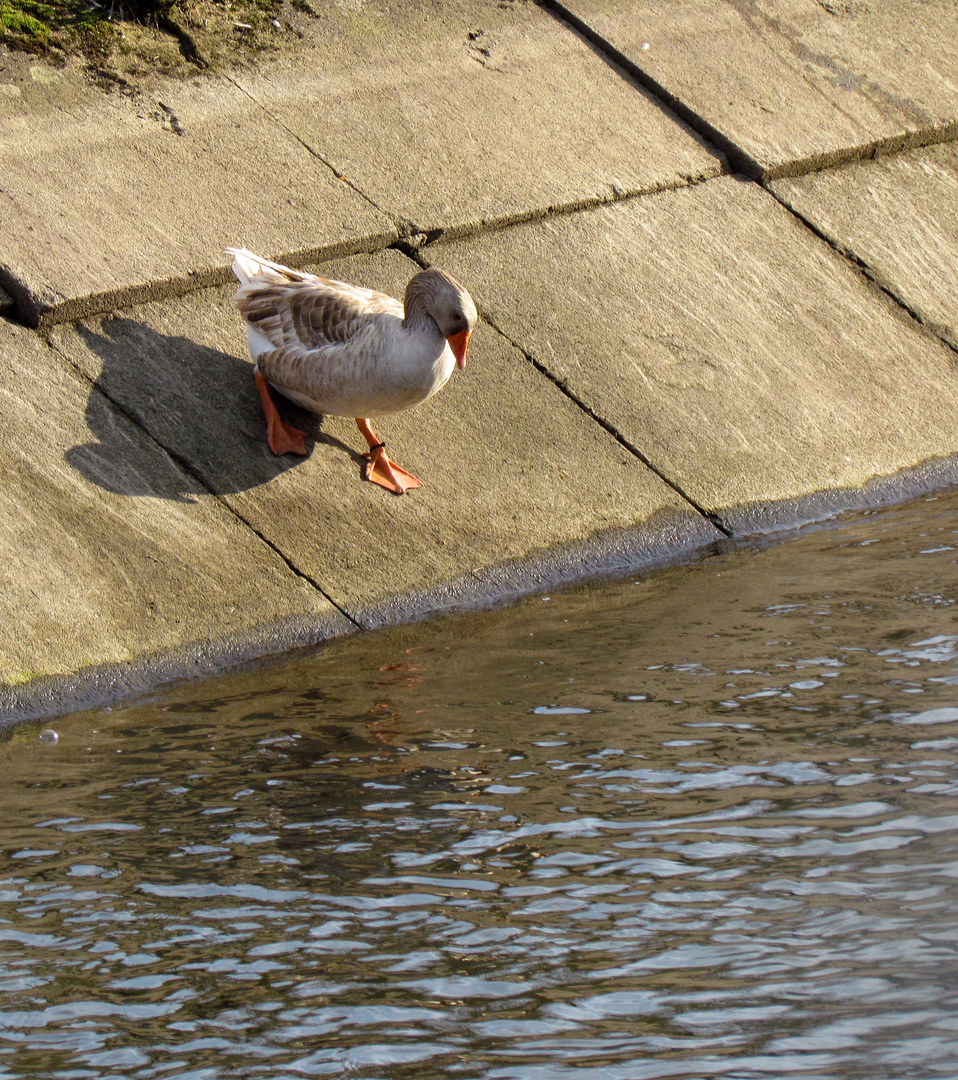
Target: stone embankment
714,246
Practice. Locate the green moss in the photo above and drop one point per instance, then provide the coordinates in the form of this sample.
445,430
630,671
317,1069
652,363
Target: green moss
105,32
20,677
23,19
37,27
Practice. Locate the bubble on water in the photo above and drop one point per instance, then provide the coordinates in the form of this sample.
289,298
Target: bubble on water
558,710
48,735
944,715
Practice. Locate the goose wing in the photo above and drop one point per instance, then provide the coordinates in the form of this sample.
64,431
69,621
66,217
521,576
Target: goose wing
309,315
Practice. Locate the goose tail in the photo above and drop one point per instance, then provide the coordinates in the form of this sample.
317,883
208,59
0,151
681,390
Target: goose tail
246,266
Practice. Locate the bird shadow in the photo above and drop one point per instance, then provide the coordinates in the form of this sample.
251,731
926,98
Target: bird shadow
197,402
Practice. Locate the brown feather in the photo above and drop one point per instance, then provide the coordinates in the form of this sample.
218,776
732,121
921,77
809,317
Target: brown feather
289,313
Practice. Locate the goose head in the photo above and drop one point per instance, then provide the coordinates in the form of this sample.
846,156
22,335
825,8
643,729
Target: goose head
435,294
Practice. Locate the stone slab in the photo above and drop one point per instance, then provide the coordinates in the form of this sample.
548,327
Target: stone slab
749,361
898,215
795,84
109,551
450,116
515,475
107,198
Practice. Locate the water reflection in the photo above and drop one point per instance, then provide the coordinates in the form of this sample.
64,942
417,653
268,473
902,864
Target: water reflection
699,824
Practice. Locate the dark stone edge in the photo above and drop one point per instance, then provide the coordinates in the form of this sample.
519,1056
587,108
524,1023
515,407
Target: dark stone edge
668,539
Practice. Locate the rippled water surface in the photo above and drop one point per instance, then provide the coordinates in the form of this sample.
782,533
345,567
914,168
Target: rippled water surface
697,824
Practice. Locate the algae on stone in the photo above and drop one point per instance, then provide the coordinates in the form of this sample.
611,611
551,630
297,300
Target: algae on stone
122,39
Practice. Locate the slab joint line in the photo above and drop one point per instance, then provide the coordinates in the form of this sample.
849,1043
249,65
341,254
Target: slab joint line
415,254
874,279
185,465
338,173
738,159
564,388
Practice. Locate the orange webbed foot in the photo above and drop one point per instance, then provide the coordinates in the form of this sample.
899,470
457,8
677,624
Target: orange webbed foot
380,470
283,438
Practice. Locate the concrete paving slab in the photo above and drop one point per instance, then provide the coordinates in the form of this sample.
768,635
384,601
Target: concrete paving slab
747,360
795,84
110,552
114,198
521,487
454,115
897,215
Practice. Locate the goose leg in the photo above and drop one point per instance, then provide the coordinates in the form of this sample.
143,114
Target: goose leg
282,437
380,469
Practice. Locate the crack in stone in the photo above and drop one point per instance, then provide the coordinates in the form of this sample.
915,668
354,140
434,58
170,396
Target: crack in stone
186,466
608,426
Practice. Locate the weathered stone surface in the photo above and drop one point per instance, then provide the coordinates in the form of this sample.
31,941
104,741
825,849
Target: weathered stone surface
110,198
748,360
109,552
442,116
450,115
751,364
898,215
511,468
795,84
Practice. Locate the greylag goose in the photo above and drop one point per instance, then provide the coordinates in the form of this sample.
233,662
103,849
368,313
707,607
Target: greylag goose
340,350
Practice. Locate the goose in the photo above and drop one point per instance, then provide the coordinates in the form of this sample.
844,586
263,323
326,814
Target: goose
340,350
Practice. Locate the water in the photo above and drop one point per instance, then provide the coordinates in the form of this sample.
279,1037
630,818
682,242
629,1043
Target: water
701,824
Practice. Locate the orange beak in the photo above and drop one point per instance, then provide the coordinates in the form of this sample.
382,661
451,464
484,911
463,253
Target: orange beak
458,343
